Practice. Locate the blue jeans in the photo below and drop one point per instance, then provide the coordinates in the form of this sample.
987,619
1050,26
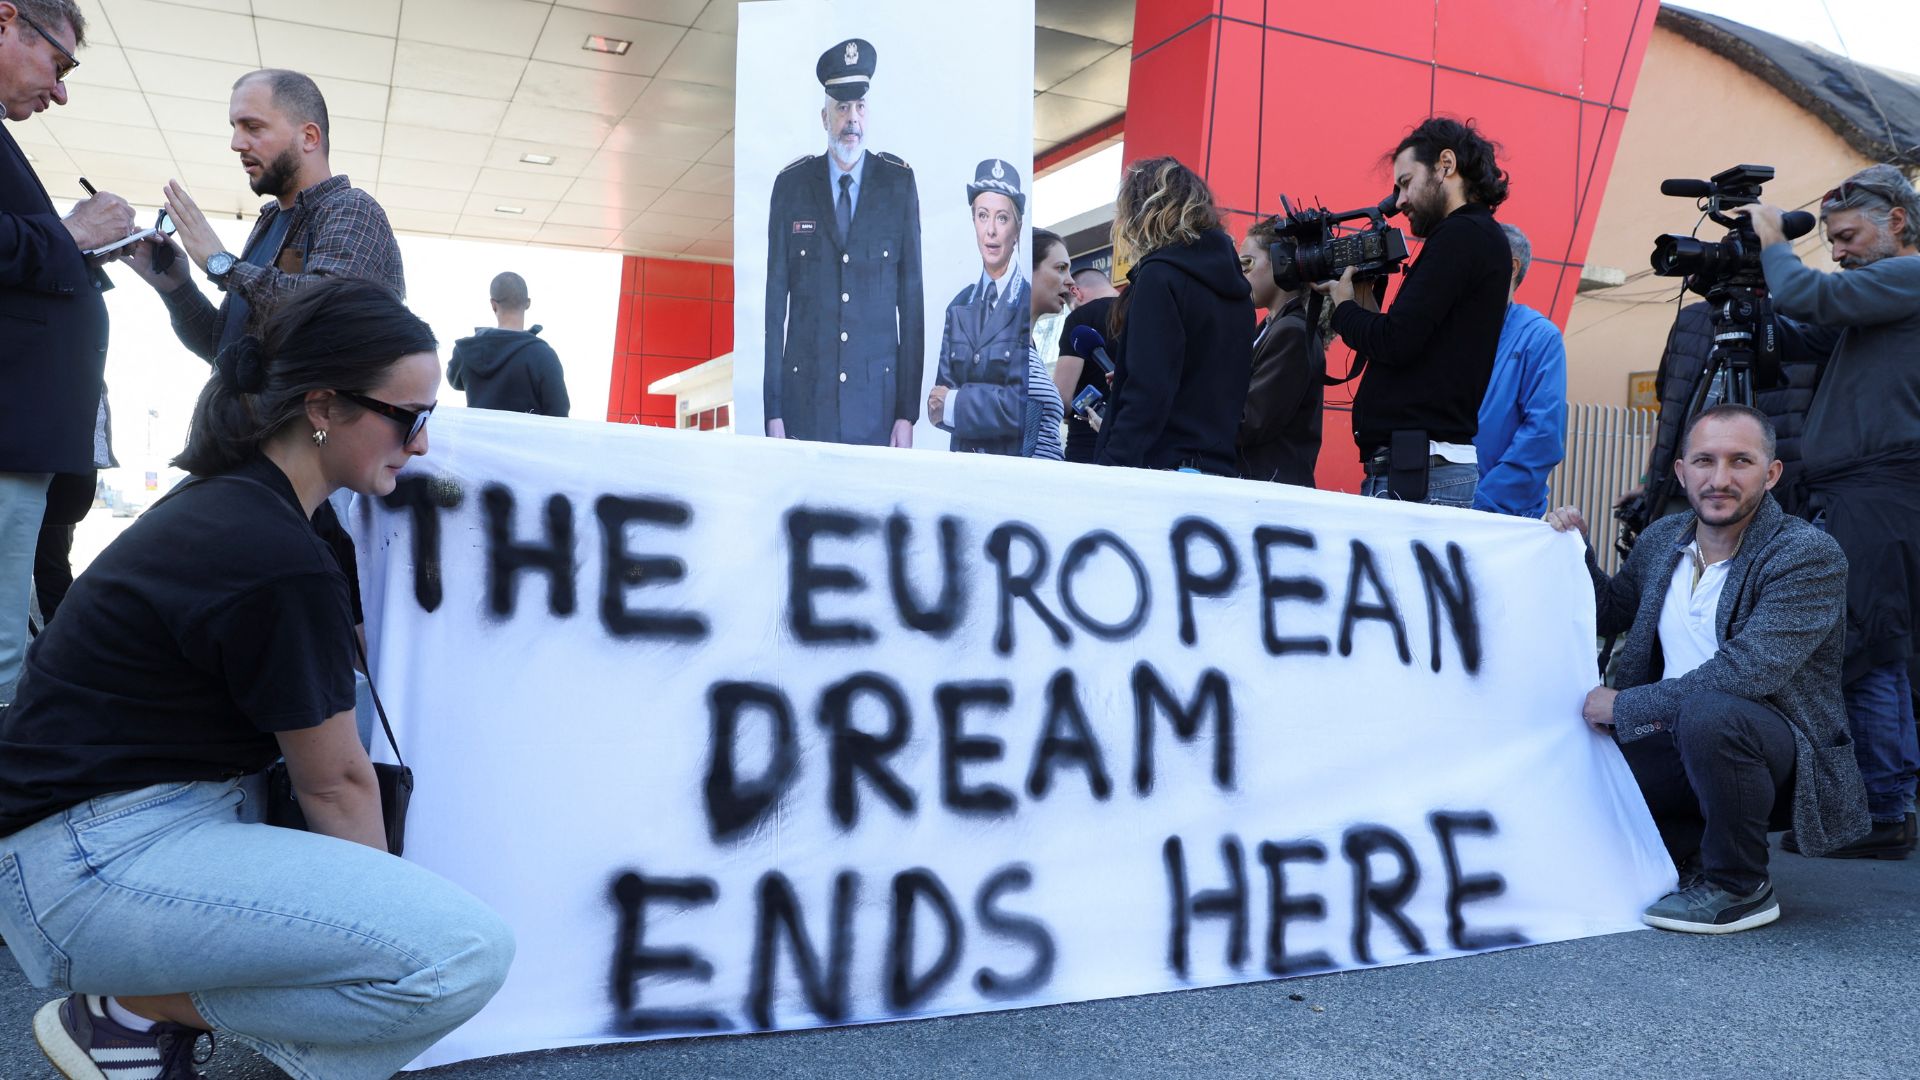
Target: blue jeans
1447,485
333,960
23,507
1880,712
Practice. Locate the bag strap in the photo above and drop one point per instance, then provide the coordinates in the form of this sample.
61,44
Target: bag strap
359,650
377,706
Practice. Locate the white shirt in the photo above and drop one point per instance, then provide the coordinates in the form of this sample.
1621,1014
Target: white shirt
1689,634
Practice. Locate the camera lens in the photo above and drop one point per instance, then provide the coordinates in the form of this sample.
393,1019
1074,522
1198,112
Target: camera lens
1677,256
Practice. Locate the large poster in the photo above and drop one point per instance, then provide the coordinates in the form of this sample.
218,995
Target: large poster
882,167
744,735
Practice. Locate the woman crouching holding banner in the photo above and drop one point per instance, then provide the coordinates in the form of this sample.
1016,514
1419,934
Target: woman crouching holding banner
1184,327
212,637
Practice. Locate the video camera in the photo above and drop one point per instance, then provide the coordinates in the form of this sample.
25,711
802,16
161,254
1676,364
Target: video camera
1305,249
1746,341
1734,261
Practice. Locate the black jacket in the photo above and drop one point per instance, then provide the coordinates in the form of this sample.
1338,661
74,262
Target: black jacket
1872,509
509,370
1081,438
53,330
1184,357
1430,356
1803,355
1280,431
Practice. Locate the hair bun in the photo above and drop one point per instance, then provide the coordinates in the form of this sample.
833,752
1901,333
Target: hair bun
242,366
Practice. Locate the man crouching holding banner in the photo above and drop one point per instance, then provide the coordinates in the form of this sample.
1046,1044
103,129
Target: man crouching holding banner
1728,706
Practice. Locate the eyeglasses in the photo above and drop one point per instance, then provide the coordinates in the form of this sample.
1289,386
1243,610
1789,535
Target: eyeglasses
1848,189
65,69
414,421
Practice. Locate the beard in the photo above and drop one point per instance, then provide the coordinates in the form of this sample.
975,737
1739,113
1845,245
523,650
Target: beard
1427,209
1742,509
850,144
1883,248
276,176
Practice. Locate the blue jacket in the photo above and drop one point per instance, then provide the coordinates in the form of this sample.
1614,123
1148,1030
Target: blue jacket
1523,417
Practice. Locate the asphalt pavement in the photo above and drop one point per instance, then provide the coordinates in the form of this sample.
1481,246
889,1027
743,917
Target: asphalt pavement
1831,990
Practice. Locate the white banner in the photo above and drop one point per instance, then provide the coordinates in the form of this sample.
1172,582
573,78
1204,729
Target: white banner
740,734
839,332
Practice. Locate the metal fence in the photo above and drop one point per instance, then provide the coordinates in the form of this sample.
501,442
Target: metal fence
1607,449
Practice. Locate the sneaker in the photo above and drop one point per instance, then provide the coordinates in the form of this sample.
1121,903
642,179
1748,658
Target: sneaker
84,1043
1886,840
1689,874
1707,908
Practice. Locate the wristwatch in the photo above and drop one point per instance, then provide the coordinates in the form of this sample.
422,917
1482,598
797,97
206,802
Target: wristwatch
218,264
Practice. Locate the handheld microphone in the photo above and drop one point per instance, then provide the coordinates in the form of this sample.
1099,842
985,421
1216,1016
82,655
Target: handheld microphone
1088,342
1686,189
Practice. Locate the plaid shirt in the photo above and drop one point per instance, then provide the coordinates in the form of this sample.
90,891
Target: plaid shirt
337,230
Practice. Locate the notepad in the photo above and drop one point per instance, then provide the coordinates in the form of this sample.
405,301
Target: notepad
144,234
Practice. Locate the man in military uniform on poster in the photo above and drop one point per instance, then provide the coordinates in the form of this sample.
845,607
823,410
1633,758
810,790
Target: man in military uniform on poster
845,321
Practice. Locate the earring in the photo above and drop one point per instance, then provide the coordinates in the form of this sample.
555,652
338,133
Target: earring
320,437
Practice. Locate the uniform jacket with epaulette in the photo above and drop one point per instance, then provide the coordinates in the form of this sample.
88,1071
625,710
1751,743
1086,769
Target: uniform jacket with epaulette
846,339
984,350
1782,629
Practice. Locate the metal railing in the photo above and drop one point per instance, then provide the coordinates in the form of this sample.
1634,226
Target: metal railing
1607,448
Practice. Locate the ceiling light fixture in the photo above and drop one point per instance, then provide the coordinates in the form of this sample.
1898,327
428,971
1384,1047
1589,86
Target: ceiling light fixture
509,209
611,45
537,159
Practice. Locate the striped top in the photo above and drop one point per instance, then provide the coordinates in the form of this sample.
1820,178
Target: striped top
1045,412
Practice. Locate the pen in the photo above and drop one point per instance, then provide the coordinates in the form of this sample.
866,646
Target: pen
89,187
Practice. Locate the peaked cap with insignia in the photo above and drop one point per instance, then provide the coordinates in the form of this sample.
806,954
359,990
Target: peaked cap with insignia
999,177
846,69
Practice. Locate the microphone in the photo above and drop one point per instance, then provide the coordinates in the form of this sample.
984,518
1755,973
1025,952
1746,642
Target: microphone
1088,342
1686,189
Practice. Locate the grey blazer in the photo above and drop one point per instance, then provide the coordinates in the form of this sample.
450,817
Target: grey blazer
1782,628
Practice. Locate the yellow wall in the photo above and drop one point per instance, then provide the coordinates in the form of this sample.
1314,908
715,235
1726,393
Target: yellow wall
1693,114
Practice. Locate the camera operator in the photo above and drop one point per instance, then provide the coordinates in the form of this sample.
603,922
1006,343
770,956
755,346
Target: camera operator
1861,455
1428,358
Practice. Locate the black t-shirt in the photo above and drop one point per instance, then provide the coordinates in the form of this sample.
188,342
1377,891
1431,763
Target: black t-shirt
1429,358
217,619
1081,438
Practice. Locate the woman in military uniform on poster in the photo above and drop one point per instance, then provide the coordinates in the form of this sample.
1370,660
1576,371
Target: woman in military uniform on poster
980,395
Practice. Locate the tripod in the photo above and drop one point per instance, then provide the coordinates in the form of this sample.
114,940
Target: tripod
1745,345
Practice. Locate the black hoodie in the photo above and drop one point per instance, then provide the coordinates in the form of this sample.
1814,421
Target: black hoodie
509,370
1183,360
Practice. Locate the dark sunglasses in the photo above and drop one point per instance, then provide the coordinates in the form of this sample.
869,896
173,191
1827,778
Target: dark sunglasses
65,69
414,421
